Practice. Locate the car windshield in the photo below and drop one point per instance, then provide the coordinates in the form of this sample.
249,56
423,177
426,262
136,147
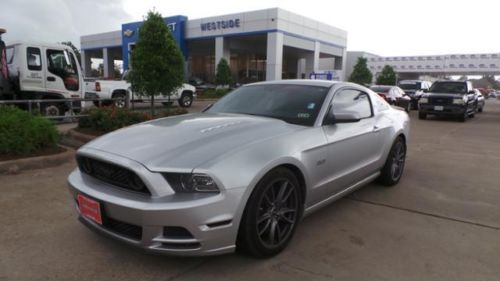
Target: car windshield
295,104
413,86
449,87
380,89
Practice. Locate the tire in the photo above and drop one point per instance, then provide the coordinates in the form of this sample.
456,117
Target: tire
268,223
119,103
408,107
422,116
480,109
51,109
394,165
463,117
186,99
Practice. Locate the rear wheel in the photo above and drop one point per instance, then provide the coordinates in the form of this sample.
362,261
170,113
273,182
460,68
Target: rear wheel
119,101
394,165
480,109
271,214
186,99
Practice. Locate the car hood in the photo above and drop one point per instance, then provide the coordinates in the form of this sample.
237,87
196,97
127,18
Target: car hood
187,141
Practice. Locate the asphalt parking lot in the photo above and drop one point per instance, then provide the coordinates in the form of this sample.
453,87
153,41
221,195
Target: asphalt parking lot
442,222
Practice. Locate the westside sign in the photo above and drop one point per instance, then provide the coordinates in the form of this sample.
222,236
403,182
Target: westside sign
223,24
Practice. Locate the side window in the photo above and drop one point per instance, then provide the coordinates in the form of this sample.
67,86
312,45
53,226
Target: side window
63,64
34,58
352,101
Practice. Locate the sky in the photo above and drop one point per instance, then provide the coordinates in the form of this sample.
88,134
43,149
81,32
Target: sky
383,27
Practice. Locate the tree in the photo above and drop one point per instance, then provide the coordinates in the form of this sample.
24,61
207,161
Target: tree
387,76
361,74
223,75
157,64
75,50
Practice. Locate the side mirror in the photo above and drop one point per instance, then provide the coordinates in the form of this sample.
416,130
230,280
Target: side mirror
341,117
472,93
425,90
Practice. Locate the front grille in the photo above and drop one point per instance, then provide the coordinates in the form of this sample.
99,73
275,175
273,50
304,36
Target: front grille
112,174
440,100
128,230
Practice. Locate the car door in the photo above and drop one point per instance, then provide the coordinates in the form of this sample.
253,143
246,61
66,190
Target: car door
354,149
62,73
33,80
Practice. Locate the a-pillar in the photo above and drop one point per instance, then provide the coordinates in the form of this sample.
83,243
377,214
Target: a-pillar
312,60
86,62
108,63
221,51
274,59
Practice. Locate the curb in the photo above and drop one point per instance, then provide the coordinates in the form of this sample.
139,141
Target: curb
84,138
39,162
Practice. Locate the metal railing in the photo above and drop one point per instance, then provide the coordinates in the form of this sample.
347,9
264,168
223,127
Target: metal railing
74,107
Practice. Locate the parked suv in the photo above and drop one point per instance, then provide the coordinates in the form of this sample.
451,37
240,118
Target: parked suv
448,98
414,89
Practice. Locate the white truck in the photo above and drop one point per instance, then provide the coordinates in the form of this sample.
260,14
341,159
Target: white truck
119,94
35,71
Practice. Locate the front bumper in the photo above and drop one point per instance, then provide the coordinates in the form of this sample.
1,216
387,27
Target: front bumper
208,222
447,110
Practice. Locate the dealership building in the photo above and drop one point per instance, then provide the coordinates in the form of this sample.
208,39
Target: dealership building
269,44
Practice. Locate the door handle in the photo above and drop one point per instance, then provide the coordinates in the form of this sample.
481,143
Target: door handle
376,129
51,78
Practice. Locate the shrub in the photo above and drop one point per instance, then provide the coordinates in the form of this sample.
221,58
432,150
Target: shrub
22,133
214,93
107,119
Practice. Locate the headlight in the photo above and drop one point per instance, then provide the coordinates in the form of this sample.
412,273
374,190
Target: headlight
423,100
191,183
458,101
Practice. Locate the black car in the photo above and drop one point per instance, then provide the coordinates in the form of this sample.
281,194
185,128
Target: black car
448,98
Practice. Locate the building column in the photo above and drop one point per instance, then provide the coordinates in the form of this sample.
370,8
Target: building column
274,59
312,60
221,51
108,63
301,68
86,63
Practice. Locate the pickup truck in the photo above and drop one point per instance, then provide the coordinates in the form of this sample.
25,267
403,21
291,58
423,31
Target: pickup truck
449,98
118,92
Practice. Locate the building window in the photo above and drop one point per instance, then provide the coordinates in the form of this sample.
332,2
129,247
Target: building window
404,58
428,66
484,56
482,65
472,66
494,56
463,56
430,58
493,65
438,58
472,56
452,66
453,56
437,66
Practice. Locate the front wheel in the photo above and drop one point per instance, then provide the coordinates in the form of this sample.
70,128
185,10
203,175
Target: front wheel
394,165
271,214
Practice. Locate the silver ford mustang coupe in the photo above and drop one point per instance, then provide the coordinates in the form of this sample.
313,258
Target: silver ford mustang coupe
241,174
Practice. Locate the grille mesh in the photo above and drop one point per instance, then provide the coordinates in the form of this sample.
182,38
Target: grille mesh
112,174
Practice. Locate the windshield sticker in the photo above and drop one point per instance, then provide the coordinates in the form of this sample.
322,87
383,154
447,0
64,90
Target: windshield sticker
303,115
311,106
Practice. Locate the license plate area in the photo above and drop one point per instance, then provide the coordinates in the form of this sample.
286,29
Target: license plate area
438,108
90,208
